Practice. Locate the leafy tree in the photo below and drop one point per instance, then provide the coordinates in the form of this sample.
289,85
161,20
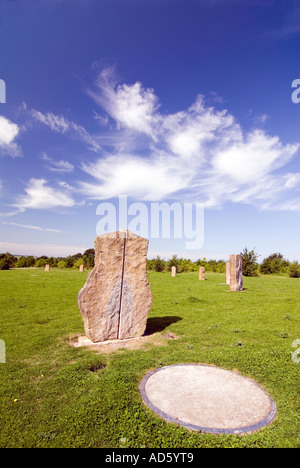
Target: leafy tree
69,262
4,264
216,266
89,258
78,263
7,261
25,262
41,262
158,264
275,263
29,262
250,264
174,261
89,253
294,270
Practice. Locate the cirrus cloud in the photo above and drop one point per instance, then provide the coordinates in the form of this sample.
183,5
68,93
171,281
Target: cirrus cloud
40,196
59,124
8,133
198,153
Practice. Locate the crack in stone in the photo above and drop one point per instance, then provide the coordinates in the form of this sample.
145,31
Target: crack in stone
121,292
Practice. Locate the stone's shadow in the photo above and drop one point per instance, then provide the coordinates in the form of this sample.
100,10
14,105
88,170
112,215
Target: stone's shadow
158,324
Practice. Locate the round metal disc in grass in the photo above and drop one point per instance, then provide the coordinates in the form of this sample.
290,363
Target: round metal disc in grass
207,398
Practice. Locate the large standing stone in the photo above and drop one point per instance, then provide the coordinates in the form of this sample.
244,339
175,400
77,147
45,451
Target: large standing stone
173,271
116,298
236,273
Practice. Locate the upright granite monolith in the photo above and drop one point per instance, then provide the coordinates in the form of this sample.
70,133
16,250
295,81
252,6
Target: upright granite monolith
116,298
236,273
173,271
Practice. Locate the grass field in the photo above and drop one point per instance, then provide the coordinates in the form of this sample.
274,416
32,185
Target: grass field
53,395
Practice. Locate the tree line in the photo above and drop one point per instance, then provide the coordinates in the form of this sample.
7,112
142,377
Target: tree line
273,264
87,259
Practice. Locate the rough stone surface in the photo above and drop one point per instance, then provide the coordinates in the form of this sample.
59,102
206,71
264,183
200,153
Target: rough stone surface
236,273
173,271
201,273
116,299
227,278
47,267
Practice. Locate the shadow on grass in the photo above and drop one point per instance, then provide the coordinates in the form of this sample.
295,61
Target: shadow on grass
158,324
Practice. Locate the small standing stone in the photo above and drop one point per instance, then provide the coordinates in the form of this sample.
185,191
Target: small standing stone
173,271
227,277
236,273
47,267
81,268
201,273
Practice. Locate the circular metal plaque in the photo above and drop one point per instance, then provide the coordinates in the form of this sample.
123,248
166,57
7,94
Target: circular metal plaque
207,398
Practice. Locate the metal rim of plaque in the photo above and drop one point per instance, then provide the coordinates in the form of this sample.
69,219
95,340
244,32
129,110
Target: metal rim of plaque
265,421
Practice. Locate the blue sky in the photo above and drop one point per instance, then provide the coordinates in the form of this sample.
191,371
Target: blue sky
175,101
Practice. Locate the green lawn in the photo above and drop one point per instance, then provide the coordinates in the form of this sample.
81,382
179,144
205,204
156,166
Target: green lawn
53,395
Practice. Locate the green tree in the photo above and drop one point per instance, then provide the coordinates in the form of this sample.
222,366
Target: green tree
294,270
41,262
250,264
89,258
69,262
174,261
158,264
78,263
4,264
7,261
25,262
29,262
275,263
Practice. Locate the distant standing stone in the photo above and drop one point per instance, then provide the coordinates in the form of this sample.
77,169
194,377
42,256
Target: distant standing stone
47,267
227,277
236,273
201,273
173,271
116,299
81,268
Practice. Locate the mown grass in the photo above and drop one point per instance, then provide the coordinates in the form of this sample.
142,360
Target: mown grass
53,395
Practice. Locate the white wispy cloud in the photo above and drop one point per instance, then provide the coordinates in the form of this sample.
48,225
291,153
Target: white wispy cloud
252,157
59,124
8,134
41,196
57,166
35,228
132,107
198,153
